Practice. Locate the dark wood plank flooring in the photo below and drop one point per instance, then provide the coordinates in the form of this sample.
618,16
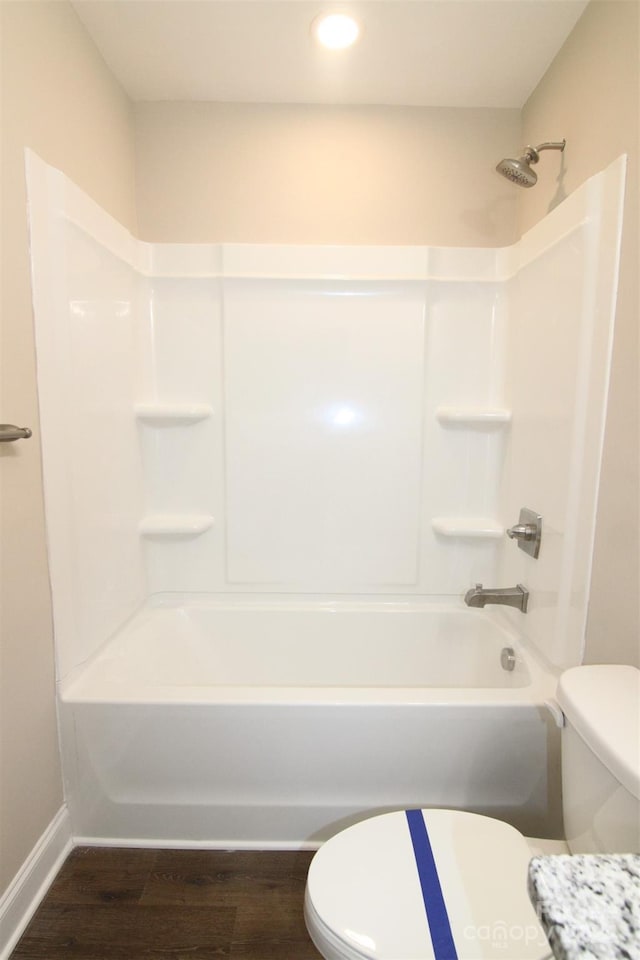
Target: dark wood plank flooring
121,904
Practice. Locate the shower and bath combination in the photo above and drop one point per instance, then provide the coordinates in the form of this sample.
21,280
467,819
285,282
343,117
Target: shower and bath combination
519,171
247,610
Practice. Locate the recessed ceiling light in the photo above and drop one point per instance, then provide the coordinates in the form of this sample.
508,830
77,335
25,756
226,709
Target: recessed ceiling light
336,31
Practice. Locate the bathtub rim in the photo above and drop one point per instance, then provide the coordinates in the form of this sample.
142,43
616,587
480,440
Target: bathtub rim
542,686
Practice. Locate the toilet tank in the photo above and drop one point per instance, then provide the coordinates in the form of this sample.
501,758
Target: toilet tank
601,758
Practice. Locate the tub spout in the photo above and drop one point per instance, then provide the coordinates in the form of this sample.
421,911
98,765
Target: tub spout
517,597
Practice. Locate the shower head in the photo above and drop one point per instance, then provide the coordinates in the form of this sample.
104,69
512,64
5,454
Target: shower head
519,171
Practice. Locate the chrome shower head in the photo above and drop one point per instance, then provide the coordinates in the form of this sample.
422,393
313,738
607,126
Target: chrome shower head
519,171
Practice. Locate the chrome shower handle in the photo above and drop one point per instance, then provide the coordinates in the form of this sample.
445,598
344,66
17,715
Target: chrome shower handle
9,432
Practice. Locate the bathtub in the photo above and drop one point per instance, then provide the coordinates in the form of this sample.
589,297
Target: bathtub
274,724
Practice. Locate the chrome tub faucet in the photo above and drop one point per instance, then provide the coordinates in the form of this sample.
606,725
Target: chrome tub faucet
517,597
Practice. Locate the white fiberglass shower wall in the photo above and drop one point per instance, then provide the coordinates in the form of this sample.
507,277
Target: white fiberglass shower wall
319,420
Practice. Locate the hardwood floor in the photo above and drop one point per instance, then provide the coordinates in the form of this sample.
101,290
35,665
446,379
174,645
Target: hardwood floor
120,904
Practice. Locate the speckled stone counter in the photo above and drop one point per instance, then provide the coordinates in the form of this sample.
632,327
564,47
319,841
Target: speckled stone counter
589,905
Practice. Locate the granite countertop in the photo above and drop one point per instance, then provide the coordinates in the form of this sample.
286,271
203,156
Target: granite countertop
588,904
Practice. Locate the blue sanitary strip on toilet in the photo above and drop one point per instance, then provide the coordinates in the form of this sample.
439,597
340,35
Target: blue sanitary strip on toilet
441,937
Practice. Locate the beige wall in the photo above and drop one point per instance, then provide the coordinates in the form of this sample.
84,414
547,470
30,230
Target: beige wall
590,96
58,98
315,174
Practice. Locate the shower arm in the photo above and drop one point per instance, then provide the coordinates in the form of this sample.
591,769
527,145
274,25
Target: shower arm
532,153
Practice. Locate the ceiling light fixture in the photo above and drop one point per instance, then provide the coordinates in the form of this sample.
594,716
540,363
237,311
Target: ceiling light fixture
336,31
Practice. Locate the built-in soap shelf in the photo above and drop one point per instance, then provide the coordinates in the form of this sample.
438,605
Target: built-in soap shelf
473,416
173,525
158,525
475,527
172,414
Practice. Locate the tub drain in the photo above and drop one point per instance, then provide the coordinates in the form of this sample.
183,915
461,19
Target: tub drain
508,658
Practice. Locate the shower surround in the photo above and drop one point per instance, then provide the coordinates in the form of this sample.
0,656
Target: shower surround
326,444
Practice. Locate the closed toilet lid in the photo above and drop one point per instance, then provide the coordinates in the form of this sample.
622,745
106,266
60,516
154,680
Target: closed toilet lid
424,885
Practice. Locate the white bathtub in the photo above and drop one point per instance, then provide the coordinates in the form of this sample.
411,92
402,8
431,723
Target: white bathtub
235,723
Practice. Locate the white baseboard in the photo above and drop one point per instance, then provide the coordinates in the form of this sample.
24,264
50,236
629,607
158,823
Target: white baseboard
180,844
30,884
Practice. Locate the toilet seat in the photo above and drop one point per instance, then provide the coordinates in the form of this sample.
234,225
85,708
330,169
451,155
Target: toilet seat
365,901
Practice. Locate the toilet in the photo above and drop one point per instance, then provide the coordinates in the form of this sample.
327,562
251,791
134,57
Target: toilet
450,885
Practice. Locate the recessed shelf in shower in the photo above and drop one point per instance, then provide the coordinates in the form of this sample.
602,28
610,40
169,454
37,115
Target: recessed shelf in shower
473,416
172,414
169,525
475,527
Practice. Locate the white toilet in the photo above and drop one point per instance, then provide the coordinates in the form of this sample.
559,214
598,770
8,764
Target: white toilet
444,884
